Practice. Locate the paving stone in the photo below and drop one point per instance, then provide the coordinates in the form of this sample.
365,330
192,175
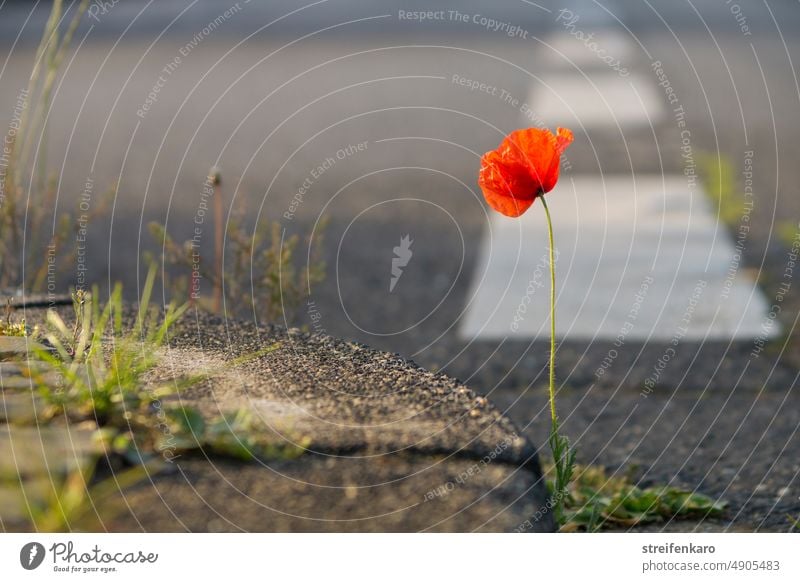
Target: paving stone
34,463
16,376
23,369
20,408
45,450
16,348
29,378
15,498
17,383
318,494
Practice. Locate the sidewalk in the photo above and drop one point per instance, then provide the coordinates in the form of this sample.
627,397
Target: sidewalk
390,446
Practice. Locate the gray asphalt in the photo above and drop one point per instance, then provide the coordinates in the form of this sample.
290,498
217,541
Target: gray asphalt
270,108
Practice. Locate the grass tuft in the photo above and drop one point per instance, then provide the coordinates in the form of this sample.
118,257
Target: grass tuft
597,501
104,366
103,380
30,250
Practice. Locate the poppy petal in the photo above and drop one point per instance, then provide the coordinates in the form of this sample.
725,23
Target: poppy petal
561,142
506,175
524,166
506,184
508,205
564,137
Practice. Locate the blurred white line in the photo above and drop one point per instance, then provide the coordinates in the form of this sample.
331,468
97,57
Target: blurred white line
572,46
632,262
600,99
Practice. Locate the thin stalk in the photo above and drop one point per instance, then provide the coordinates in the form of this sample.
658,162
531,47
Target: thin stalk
218,239
20,147
54,51
563,453
58,55
552,389
47,56
50,28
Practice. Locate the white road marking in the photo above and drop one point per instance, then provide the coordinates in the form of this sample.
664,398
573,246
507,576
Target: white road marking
573,47
602,100
640,256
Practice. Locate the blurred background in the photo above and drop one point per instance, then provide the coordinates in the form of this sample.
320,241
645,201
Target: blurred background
676,214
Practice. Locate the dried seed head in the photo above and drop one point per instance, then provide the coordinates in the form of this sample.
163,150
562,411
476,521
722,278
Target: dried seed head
215,176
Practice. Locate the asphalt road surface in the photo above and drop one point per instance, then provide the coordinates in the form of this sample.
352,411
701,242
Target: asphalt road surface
375,115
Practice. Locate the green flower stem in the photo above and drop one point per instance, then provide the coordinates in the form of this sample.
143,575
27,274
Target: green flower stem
563,453
553,415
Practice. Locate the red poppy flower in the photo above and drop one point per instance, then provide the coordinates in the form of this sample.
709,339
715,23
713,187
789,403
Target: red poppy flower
523,167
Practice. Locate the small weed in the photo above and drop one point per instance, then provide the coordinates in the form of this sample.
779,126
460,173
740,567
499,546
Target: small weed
596,500
13,328
234,434
564,459
723,188
261,271
27,197
788,232
720,179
